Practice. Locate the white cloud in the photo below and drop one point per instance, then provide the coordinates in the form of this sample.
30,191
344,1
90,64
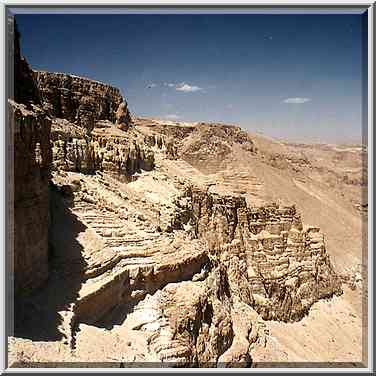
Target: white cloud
150,86
172,116
168,84
186,88
183,86
297,100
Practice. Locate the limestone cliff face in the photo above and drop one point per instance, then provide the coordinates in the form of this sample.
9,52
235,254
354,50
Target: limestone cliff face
118,155
200,268
164,143
92,128
263,264
80,100
272,262
30,130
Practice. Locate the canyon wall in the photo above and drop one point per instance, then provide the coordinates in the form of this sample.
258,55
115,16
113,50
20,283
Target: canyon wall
118,155
272,262
92,127
29,127
202,284
263,264
200,268
80,100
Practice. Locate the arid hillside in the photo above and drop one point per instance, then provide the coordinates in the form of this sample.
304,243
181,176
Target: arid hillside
178,244
328,183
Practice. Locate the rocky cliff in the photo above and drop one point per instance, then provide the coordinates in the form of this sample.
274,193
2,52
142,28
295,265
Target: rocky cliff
182,265
29,127
25,87
92,127
272,262
262,265
102,150
80,100
194,274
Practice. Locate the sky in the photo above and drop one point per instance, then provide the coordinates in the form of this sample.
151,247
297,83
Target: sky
295,77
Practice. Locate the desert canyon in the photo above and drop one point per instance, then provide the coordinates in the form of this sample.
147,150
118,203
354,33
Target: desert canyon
146,242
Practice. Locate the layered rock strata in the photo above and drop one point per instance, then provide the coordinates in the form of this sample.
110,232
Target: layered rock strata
128,248
198,324
29,127
121,155
92,127
205,144
191,270
32,158
80,100
149,257
202,271
262,265
273,262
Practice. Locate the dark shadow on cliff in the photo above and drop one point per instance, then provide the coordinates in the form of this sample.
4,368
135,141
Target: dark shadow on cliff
37,316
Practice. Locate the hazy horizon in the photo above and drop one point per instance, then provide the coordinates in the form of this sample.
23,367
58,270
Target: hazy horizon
291,77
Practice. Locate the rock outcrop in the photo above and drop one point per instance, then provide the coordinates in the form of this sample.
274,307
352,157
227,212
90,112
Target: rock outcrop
80,100
262,265
271,261
30,130
206,144
201,270
143,241
92,127
122,156
123,118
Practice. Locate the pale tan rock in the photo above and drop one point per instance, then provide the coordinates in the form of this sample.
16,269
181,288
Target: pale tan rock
123,119
163,234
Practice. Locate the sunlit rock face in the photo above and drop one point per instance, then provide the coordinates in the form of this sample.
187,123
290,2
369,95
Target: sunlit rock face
151,237
91,130
272,261
80,100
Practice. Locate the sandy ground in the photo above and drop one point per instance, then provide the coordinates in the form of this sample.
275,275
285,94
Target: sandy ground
331,333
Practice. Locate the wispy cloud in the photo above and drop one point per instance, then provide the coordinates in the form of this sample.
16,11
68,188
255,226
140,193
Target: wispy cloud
186,88
169,84
183,86
172,116
297,100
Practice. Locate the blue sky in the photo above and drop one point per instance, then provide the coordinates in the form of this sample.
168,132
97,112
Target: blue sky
297,77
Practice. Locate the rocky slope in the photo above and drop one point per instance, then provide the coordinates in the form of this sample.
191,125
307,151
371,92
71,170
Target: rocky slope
89,120
171,244
272,262
141,246
327,183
